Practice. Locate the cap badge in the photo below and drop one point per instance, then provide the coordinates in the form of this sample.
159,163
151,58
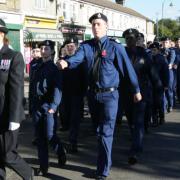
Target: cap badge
99,15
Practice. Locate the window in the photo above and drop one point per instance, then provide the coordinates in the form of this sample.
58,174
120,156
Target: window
2,1
40,4
65,10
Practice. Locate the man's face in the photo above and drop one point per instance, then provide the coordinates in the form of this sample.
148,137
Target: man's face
70,49
154,51
140,41
131,40
166,44
45,51
178,44
99,28
36,53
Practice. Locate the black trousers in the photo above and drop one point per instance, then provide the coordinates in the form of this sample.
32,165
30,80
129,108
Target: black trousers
9,156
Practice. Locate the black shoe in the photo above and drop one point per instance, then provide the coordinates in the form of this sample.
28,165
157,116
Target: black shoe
99,177
73,148
170,109
154,124
161,121
41,171
61,156
63,129
34,142
132,160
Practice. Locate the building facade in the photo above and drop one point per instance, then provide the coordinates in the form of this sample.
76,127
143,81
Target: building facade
40,23
11,14
77,12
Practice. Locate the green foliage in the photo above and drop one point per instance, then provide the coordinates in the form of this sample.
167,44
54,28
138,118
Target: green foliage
168,27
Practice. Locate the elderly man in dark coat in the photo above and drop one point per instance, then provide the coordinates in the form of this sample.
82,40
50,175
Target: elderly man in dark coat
11,107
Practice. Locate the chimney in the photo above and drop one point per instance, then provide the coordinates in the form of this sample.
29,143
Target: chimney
120,2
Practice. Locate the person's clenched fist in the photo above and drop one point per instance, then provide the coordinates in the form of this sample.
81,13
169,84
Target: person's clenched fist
62,64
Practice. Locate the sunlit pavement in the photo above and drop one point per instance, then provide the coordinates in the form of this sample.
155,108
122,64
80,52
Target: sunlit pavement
159,161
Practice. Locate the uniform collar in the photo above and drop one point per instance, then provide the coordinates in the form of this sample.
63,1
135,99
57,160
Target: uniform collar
102,40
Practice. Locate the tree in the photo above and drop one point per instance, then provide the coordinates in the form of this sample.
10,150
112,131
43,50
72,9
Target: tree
169,28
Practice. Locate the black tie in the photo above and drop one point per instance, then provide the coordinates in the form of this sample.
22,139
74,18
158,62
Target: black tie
97,62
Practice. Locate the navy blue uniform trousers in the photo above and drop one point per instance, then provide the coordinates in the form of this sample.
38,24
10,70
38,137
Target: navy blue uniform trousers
45,129
105,110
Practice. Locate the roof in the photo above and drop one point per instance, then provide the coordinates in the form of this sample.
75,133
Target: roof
117,7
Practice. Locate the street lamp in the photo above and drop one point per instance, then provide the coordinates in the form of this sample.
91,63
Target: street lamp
171,5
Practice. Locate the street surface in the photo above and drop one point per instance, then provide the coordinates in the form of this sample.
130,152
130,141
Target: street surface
159,161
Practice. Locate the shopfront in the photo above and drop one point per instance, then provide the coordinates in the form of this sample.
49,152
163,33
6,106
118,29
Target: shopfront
73,30
14,23
37,30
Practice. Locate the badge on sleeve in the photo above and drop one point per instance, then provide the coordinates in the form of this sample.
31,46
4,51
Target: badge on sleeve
5,64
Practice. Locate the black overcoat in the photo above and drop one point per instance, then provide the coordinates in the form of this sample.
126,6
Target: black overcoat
11,87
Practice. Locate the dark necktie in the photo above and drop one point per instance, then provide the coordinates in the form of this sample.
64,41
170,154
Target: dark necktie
97,62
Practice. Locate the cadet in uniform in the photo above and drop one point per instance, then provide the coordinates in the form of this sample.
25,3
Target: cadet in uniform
161,66
105,61
47,90
72,95
11,107
170,56
33,66
135,112
178,67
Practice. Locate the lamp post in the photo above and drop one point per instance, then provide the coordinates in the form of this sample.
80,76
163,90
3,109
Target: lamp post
171,5
157,27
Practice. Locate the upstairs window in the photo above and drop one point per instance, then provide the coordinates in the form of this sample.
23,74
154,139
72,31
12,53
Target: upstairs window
40,4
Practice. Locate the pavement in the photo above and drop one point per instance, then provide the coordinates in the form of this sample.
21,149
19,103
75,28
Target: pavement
160,159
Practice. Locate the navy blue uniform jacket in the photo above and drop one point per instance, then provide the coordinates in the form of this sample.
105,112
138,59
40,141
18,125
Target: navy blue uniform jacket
114,61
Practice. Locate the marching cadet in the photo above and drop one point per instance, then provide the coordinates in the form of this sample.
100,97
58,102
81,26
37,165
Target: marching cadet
11,108
105,60
148,110
170,56
178,67
47,90
74,87
161,66
135,112
36,60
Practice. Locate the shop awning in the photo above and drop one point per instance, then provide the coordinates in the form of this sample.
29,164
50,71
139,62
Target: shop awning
37,34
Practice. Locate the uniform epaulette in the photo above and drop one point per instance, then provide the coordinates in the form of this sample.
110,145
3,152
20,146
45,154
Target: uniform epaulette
115,40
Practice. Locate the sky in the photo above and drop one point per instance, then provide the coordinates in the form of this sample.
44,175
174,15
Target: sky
153,8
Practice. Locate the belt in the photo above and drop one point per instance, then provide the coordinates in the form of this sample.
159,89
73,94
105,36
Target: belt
101,90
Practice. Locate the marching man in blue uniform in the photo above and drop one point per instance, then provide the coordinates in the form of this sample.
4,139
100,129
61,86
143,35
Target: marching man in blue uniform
105,60
158,114
47,90
170,56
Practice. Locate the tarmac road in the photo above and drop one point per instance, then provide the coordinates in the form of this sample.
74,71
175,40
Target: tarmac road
159,161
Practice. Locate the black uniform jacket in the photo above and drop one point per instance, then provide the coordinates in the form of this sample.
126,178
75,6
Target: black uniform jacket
11,87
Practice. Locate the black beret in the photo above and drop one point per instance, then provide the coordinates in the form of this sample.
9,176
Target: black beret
69,40
165,39
35,45
154,45
140,35
49,43
130,31
3,27
98,16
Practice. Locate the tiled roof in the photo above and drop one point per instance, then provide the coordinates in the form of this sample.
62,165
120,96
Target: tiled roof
117,7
